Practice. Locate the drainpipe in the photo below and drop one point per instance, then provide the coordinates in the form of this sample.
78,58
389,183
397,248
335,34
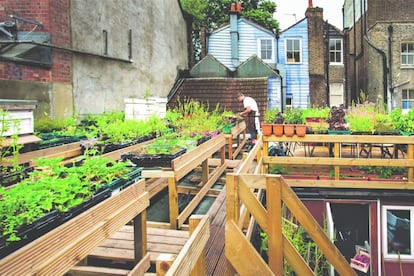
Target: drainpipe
389,104
234,33
328,92
353,91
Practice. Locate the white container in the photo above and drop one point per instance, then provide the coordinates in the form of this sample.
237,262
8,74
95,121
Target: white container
19,116
142,109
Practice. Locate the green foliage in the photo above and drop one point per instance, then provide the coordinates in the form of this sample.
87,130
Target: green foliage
211,14
316,112
383,172
403,122
9,153
293,116
276,169
270,115
361,117
300,240
54,186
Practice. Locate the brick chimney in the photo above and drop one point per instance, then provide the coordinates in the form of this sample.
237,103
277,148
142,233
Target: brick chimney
234,33
317,51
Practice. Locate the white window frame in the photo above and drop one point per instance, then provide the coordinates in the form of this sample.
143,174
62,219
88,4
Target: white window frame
407,99
336,51
259,49
300,51
385,232
408,55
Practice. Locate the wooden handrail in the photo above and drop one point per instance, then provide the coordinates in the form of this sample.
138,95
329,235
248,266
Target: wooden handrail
238,188
336,161
191,259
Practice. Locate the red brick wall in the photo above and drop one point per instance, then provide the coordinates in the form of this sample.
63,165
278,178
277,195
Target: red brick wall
54,14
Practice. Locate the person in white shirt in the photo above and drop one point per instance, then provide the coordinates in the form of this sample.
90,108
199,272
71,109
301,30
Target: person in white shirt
251,110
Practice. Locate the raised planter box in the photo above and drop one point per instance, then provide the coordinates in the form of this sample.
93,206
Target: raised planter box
152,160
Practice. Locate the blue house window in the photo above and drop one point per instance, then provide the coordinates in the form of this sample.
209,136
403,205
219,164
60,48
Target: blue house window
293,50
407,98
335,50
266,49
407,53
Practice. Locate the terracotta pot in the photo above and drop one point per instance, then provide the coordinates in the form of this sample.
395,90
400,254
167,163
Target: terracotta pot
278,129
289,130
267,129
300,130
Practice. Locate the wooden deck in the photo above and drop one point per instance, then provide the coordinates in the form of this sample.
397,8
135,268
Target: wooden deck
119,247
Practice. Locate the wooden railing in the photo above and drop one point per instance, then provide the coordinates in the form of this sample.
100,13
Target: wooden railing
239,251
191,259
62,248
184,164
337,161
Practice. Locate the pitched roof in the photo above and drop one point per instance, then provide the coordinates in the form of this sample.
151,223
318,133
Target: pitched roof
245,20
222,91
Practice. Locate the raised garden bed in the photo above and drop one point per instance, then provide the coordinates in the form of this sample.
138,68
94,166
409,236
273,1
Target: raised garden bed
143,159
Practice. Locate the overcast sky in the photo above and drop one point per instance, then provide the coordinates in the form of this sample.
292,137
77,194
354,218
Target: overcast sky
287,11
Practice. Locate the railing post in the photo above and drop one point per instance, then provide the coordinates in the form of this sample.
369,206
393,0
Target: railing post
336,155
173,200
265,153
275,235
410,156
140,236
200,266
232,194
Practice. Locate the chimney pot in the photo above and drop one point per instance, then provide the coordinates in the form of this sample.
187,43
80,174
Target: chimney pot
233,7
310,4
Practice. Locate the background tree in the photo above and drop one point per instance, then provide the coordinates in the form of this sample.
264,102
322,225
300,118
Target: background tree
211,14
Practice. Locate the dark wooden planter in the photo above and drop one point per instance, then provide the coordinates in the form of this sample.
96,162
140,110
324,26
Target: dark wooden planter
152,160
30,232
8,177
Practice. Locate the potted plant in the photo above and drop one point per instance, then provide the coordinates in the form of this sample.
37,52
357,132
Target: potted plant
384,125
293,117
278,124
404,123
315,119
336,121
361,118
269,117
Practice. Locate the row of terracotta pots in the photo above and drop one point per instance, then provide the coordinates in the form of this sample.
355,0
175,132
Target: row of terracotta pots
286,129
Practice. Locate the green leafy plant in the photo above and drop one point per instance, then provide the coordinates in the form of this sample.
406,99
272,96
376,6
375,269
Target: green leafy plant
300,240
316,112
361,117
54,186
293,116
270,115
403,122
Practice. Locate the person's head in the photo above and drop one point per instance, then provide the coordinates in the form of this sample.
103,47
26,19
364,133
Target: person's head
240,97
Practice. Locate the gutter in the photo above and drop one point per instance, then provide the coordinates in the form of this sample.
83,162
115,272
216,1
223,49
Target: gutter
16,42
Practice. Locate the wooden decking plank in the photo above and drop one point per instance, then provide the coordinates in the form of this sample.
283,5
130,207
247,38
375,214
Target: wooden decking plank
96,271
216,261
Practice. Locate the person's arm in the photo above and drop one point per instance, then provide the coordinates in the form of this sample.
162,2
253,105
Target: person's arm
246,111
